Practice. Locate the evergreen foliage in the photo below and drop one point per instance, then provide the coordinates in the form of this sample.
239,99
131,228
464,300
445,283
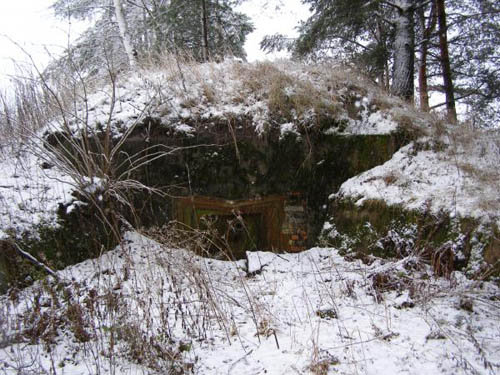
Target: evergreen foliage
474,29
369,33
227,29
154,26
348,29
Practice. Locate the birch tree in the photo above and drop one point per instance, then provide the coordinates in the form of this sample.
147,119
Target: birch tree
108,38
121,29
124,34
204,29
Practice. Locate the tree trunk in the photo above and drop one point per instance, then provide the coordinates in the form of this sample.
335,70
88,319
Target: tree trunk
445,61
427,30
122,25
145,35
404,54
381,40
204,30
387,74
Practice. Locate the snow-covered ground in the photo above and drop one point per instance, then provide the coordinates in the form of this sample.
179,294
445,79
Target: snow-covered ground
455,170
144,305
181,96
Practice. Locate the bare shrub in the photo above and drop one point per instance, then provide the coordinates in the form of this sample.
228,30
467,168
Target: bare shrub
443,261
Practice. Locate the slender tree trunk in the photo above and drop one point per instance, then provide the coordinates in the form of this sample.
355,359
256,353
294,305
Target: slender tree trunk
157,37
424,51
445,61
383,60
204,30
381,78
122,25
387,75
404,51
146,31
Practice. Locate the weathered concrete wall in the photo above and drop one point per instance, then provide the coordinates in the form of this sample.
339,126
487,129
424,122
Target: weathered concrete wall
391,231
221,160
214,163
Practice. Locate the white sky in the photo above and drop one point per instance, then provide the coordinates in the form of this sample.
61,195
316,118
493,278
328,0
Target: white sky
268,20
32,25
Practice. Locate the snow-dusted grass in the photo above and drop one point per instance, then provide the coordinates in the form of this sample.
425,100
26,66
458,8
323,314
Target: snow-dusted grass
182,94
144,308
146,305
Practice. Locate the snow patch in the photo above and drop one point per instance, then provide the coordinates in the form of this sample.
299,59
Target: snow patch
422,179
29,194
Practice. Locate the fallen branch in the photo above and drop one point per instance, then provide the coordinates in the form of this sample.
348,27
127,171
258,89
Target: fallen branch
35,261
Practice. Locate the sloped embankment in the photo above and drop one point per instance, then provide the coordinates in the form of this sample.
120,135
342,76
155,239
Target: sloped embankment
436,197
146,308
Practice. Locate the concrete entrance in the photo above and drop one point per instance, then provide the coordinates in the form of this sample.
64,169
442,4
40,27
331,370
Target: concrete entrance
273,223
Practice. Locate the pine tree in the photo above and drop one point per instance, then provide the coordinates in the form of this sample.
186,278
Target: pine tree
361,28
121,30
445,60
458,44
219,32
427,26
474,53
461,58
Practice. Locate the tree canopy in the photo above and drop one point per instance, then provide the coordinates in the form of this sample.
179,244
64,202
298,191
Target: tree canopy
456,49
155,26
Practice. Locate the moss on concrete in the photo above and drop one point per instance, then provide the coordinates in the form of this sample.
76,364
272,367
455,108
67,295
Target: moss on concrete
80,234
391,231
214,163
